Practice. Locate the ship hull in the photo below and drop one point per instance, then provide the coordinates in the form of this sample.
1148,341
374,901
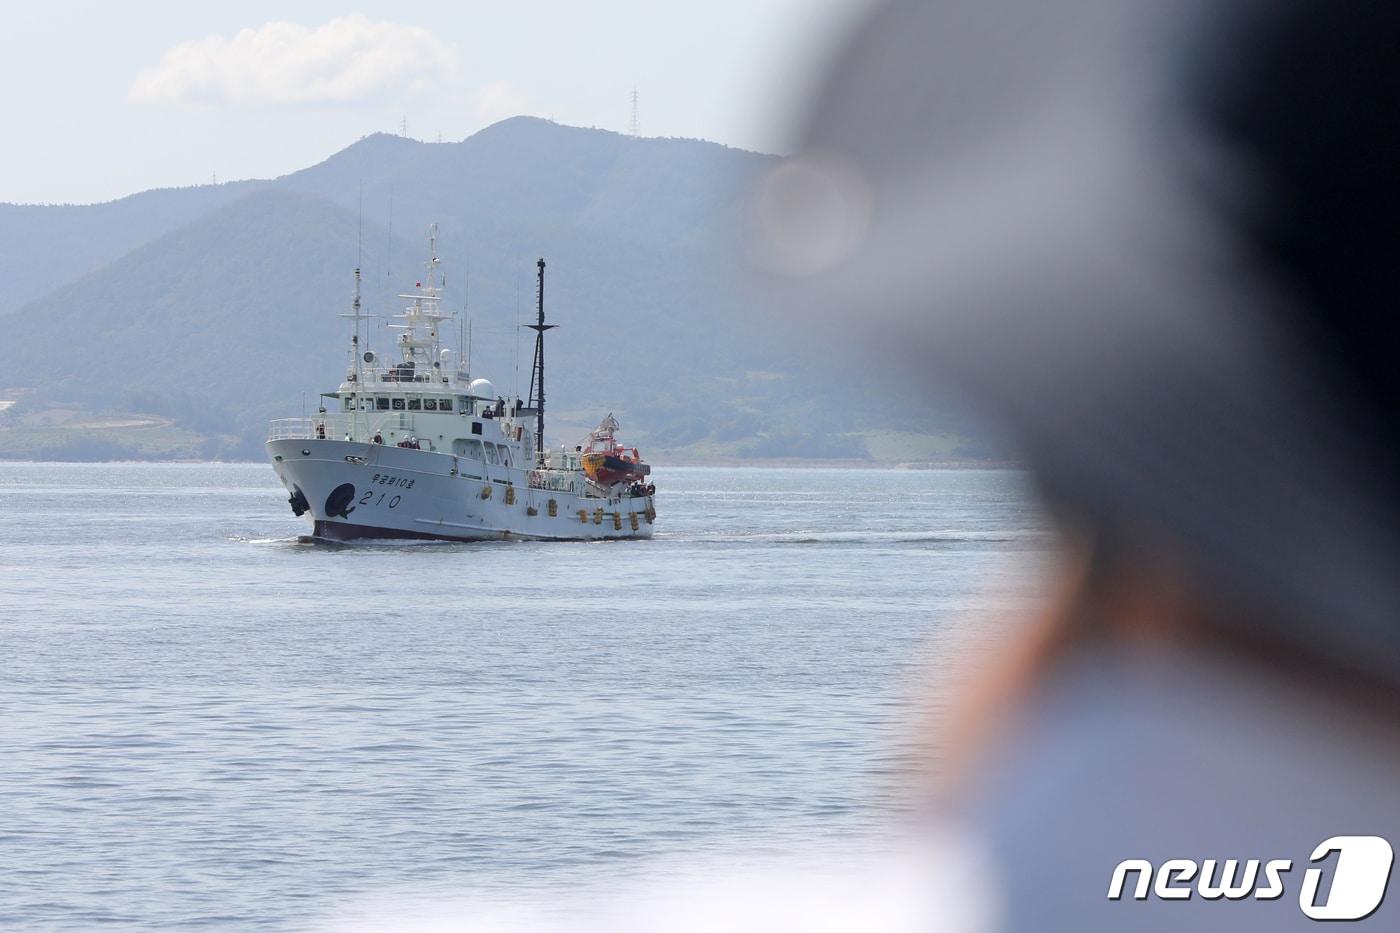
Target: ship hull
351,490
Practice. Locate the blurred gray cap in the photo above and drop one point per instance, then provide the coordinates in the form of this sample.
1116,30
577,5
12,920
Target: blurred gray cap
1157,240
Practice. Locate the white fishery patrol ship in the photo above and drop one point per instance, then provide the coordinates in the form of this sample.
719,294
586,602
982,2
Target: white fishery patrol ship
416,448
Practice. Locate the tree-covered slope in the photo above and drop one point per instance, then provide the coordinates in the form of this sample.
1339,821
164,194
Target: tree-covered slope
219,308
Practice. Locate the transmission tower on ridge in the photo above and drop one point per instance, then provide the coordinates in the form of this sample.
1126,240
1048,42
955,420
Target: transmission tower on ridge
634,129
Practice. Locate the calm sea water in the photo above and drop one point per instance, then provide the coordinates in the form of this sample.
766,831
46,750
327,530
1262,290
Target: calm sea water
205,722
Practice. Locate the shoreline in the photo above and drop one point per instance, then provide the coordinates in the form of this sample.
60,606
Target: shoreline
764,463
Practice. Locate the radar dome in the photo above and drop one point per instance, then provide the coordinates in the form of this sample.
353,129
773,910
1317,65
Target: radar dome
482,388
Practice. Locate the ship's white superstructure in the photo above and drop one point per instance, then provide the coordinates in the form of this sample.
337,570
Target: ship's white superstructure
417,448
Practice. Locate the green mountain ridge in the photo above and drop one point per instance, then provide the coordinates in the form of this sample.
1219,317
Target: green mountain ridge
208,311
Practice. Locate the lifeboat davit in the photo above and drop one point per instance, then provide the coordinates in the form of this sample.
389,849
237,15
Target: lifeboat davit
606,462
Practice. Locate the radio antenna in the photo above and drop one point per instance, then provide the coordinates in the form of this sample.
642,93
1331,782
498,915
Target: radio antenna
464,328
515,384
360,229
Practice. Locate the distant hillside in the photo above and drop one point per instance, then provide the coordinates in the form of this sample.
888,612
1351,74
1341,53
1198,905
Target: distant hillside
45,246
207,311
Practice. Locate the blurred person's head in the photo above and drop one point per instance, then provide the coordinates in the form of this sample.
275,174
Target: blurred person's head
1160,244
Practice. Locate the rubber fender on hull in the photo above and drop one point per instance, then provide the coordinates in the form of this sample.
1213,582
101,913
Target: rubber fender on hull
583,516
510,495
553,508
598,516
617,521
635,523
485,492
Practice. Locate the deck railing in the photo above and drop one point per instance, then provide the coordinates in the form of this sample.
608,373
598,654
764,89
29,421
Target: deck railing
291,429
337,426
553,480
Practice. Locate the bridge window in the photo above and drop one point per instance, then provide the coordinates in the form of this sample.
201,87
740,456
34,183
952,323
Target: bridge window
491,455
505,455
398,404
414,404
445,404
381,403
430,404
349,402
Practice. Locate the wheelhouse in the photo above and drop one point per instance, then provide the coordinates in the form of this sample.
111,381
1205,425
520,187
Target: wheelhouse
367,401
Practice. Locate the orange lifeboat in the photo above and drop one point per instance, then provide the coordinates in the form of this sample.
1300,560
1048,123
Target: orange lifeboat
606,462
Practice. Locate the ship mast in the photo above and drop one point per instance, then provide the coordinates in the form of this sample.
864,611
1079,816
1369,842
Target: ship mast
355,373
536,399
422,353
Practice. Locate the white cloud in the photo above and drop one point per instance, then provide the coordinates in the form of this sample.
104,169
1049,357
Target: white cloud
346,60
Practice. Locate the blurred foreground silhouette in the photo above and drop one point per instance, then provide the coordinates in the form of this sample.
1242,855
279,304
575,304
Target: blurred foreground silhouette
1157,242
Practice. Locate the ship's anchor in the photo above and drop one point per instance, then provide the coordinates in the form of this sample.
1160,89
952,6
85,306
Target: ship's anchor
340,497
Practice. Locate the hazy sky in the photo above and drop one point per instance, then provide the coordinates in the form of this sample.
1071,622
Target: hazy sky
105,99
